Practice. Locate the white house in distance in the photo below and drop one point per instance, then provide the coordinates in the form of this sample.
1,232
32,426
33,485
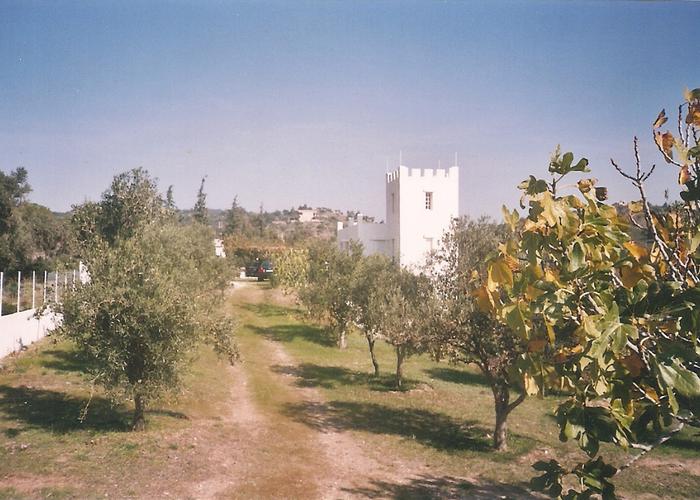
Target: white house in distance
420,205
306,214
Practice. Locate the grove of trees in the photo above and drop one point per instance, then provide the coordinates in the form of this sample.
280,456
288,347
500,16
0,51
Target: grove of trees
601,303
30,234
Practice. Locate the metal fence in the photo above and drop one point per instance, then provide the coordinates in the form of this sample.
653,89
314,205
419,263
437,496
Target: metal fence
30,290
21,296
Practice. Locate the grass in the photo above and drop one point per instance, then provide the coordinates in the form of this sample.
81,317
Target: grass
443,418
48,451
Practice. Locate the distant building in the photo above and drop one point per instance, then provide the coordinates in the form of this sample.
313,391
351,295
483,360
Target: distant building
219,248
306,214
420,205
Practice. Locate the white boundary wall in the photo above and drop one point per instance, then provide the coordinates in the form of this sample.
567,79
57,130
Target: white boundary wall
22,328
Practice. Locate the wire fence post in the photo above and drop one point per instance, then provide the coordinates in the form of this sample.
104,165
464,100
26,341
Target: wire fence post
46,273
73,279
33,289
19,289
2,280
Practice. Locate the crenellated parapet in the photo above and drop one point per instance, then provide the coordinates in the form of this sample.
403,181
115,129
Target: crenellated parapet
404,171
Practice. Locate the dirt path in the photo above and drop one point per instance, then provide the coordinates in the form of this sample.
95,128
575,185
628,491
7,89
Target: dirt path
284,458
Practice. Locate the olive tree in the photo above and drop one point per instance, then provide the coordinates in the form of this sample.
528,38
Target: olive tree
463,333
151,295
398,310
327,292
372,278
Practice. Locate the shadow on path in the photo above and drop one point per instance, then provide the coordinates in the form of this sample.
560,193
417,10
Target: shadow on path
436,430
330,377
291,332
428,487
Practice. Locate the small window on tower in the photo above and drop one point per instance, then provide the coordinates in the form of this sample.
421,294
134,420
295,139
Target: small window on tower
428,201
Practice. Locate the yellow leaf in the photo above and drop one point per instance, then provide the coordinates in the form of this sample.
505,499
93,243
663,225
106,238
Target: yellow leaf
651,393
665,142
499,272
532,292
630,276
484,301
530,384
536,345
600,386
693,116
661,119
585,185
637,250
684,175
550,333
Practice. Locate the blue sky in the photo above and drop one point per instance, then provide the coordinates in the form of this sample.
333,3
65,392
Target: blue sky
287,103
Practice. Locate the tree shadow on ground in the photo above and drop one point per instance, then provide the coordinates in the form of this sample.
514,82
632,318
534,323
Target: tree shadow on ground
444,487
64,360
59,412
291,332
267,310
433,429
457,376
330,377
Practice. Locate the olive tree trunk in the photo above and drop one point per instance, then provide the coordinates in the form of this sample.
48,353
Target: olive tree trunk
342,340
139,421
372,355
399,366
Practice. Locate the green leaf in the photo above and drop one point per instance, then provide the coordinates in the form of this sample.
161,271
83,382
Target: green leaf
581,166
533,186
515,318
681,379
576,256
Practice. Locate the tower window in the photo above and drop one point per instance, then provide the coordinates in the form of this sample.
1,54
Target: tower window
428,200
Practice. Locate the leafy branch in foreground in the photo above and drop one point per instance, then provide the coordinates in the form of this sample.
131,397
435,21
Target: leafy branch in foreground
611,320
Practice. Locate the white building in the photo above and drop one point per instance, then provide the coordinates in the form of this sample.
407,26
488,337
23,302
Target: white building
219,249
420,205
306,214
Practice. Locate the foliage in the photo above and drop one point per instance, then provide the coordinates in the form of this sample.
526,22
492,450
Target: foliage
459,330
235,218
328,288
30,234
200,212
152,295
291,268
130,204
610,319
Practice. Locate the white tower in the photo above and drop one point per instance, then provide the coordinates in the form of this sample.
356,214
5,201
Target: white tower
420,205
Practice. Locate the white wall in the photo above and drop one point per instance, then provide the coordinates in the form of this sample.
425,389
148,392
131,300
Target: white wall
23,328
372,236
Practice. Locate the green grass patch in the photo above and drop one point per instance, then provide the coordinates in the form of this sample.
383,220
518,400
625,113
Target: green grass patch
444,417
